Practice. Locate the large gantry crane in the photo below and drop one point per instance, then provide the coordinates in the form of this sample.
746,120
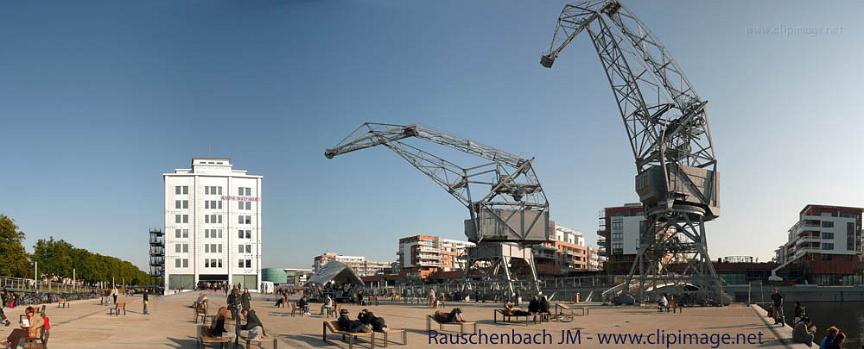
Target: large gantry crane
511,212
667,126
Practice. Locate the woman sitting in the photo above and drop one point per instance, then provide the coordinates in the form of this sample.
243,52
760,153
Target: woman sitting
31,328
218,327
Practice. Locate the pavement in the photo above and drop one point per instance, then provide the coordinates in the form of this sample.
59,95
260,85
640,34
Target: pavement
87,325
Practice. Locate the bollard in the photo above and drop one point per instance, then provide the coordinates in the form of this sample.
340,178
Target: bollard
578,297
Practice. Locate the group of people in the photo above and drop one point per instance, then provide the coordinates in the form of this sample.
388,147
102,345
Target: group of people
239,307
803,330
366,322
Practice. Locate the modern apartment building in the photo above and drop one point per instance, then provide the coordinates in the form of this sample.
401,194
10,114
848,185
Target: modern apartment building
567,252
359,264
425,254
618,236
212,225
824,245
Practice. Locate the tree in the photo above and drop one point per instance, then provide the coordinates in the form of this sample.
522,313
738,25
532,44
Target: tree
15,262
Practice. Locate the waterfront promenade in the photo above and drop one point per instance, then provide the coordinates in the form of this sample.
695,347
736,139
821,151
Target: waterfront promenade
88,325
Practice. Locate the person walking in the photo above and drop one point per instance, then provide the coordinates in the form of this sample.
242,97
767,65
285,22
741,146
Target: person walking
114,294
246,300
234,304
777,310
146,301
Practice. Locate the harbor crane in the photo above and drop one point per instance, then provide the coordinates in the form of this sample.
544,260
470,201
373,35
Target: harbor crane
667,125
507,207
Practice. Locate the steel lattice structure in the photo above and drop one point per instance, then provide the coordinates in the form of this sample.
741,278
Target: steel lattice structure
667,126
512,212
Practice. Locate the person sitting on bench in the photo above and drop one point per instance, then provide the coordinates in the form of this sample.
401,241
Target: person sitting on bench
544,305
510,310
253,329
454,315
327,305
31,327
201,301
303,304
354,326
368,318
534,305
218,328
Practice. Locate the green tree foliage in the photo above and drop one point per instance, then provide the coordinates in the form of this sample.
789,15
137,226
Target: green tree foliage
14,257
58,258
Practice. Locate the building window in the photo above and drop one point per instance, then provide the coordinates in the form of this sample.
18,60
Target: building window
248,234
248,263
178,248
185,218
244,191
219,233
850,236
177,263
185,263
827,224
177,233
185,233
178,218
206,263
827,246
827,236
240,263
220,263
181,190
241,219
212,190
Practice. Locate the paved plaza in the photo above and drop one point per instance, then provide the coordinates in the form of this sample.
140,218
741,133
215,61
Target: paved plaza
170,325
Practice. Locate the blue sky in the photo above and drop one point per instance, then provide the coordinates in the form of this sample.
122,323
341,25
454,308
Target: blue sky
98,98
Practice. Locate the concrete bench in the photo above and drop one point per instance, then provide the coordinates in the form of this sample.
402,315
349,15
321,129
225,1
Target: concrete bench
352,336
431,318
205,339
505,317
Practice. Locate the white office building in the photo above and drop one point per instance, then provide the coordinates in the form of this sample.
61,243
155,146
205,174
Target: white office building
212,225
